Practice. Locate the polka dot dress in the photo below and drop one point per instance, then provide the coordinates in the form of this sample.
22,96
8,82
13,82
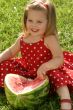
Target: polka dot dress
33,55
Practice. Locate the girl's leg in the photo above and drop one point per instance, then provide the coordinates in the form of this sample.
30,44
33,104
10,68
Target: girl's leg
65,99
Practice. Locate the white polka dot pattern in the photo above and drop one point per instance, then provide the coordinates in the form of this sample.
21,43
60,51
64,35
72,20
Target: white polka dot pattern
33,55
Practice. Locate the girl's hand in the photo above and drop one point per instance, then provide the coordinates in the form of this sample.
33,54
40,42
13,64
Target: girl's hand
43,69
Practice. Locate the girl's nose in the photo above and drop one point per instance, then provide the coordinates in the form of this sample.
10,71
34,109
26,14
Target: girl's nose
34,24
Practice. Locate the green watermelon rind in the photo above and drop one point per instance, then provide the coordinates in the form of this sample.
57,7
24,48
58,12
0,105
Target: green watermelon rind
32,98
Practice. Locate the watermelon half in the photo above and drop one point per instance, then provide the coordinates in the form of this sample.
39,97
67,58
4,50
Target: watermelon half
25,93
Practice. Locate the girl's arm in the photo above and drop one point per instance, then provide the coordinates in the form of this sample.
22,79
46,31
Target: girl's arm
11,51
57,56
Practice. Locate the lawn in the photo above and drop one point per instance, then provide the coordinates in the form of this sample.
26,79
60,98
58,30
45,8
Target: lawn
11,13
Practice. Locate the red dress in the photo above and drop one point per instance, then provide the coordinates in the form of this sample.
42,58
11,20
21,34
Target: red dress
33,55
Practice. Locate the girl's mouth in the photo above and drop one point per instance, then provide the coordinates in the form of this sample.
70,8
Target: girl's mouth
34,30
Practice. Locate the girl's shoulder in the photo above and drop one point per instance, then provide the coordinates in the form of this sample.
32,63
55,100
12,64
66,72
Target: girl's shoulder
21,36
51,40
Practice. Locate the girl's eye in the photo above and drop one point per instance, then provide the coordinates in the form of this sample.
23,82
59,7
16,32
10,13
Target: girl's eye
29,20
39,22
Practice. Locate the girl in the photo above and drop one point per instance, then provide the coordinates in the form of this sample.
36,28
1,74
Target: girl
41,52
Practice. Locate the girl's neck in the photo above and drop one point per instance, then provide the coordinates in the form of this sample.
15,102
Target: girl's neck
33,39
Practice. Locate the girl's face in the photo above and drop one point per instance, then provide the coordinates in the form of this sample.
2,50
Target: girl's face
36,23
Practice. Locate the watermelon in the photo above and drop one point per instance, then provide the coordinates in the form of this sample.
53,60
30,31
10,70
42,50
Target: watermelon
25,93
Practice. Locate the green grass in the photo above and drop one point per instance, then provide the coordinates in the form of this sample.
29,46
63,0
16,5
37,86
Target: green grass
65,23
11,13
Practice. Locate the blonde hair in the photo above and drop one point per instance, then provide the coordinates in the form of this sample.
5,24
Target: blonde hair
49,8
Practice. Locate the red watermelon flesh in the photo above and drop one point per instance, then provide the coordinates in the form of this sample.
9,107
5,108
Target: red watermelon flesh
18,84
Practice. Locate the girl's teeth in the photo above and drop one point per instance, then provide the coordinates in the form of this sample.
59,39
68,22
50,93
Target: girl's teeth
34,30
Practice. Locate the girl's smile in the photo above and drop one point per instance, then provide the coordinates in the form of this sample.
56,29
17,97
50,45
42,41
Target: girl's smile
34,30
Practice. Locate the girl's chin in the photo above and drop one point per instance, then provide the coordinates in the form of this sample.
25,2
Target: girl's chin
34,34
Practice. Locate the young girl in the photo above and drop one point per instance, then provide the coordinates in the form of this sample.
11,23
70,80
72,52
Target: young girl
41,52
